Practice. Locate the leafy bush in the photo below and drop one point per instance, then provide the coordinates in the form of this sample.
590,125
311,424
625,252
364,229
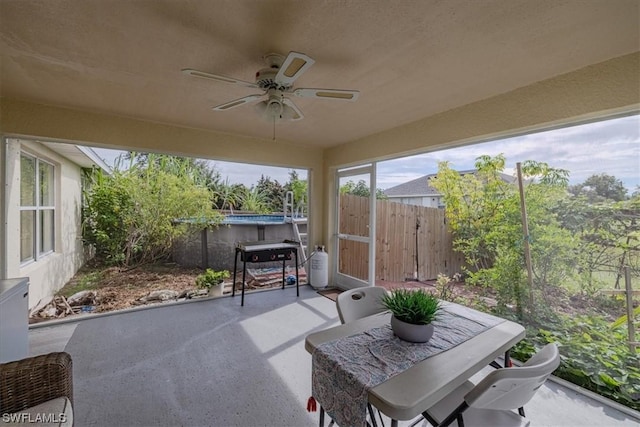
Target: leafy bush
130,215
595,355
210,278
444,286
416,307
106,219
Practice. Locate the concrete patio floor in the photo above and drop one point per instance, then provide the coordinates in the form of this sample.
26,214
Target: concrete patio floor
214,363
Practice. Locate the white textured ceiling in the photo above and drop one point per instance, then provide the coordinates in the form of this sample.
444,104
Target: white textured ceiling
409,59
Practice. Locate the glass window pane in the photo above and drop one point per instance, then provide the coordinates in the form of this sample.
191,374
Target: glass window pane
354,205
353,259
47,230
27,181
46,184
27,234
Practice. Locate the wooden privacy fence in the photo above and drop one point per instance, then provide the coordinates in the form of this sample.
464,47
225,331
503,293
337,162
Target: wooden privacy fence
402,231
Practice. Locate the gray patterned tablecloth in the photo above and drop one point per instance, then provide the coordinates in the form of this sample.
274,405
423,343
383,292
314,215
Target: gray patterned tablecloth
344,369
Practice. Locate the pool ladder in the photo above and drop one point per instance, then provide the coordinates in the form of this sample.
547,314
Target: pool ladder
298,220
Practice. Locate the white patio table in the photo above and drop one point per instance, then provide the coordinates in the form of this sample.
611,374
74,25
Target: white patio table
414,390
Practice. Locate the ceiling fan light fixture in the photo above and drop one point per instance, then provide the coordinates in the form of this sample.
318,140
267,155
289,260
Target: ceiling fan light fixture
290,115
269,110
291,112
274,108
278,110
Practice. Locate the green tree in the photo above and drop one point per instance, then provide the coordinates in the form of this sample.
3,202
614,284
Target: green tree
200,171
273,191
608,234
600,188
299,188
361,188
483,212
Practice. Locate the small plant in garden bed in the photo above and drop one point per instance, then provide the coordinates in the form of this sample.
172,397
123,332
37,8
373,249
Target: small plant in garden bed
417,307
445,287
595,356
211,278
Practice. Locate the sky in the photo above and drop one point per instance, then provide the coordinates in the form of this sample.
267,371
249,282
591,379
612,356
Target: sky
611,147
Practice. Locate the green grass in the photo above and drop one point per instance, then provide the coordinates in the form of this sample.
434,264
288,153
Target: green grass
82,282
601,279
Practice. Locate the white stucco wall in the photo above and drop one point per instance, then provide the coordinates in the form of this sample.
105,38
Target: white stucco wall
52,271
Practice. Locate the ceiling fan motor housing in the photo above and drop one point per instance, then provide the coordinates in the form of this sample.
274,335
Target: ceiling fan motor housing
265,79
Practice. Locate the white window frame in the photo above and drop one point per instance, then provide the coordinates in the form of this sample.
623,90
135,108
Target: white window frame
38,209
344,281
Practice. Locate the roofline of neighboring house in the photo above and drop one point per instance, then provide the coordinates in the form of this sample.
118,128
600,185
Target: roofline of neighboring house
506,178
94,157
414,195
80,155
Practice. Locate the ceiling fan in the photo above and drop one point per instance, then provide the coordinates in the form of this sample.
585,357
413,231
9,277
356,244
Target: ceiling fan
276,82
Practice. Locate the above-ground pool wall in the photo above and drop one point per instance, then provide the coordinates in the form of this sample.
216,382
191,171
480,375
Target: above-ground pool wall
221,244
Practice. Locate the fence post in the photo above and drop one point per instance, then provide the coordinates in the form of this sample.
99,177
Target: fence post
630,325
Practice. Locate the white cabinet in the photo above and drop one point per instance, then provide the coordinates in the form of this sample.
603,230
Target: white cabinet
14,319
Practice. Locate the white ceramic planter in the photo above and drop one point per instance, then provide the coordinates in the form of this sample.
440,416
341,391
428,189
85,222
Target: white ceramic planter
216,290
410,332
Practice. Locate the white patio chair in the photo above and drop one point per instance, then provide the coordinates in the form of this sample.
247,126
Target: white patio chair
491,401
359,302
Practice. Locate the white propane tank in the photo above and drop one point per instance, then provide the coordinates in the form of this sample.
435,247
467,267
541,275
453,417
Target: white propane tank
320,269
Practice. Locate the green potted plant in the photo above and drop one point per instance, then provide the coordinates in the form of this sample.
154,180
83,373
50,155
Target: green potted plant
212,281
413,311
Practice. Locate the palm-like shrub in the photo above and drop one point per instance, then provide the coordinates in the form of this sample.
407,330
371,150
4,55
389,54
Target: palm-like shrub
417,307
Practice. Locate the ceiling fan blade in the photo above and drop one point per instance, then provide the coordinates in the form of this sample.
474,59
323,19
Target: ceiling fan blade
292,113
337,94
217,77
237,103
293,66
